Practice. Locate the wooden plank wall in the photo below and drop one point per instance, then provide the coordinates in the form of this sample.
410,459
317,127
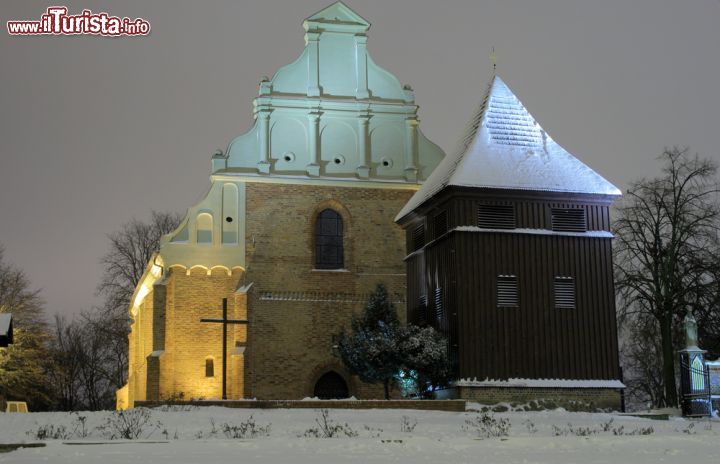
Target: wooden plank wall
530,214
534,340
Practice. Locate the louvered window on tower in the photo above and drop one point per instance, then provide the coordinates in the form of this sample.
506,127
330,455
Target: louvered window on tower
569,220
418,237
564,290
439,306
422,310
496,216
507,291
440,224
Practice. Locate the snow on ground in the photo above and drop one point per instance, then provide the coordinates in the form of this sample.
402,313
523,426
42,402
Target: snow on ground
185,435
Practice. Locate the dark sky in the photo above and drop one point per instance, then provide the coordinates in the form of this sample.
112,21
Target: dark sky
95,131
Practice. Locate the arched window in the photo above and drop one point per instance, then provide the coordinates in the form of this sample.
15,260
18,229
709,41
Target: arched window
204,228
329,240
209,367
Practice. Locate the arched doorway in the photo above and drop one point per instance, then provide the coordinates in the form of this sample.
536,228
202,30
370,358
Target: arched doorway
331,385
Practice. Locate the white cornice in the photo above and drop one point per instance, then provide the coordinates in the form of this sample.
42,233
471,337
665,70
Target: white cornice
340,104
323,181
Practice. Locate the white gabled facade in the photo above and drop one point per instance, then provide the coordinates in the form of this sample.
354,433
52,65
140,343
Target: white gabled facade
332,117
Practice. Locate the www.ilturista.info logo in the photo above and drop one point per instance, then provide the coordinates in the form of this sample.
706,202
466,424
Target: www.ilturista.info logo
56,21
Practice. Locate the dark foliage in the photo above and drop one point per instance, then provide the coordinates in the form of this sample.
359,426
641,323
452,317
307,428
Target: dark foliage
424,351
24,363
379,347
372,350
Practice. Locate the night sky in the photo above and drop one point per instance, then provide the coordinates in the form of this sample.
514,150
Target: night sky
95,131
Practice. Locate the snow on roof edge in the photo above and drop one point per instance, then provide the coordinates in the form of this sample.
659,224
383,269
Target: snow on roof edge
528,231
539,383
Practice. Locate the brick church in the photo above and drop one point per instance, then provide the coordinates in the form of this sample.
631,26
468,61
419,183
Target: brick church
298,227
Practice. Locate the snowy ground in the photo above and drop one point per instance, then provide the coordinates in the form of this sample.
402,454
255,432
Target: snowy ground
187,436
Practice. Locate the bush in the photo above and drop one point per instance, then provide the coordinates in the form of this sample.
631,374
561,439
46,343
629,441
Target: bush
128,425
327,428
530,425
247,429
407,424
639,431
485,425
604,427
80,429
570,430
50,432
60,432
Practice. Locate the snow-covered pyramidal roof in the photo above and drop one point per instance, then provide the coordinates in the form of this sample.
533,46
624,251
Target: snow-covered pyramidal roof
504,147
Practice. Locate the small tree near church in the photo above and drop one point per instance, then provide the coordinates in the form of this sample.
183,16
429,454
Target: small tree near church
425,358
379,348
372,350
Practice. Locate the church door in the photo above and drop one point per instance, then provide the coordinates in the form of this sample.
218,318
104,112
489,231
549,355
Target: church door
331,386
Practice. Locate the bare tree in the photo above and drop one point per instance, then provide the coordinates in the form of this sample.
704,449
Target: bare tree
130,251
83,369
96,364
66,349
666,236
641,354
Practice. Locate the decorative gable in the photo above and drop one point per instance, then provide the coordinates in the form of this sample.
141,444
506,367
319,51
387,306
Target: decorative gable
333,114
337,17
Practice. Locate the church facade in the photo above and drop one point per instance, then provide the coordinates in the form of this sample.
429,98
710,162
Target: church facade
295,232
298,227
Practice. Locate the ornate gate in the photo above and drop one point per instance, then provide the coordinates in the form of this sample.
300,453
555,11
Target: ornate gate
694,385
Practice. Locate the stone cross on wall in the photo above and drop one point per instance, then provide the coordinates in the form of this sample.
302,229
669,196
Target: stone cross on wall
224,321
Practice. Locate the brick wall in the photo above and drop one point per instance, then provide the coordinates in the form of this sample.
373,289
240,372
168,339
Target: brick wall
290,337
293,309
574,399
423,405
169,321
190,342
